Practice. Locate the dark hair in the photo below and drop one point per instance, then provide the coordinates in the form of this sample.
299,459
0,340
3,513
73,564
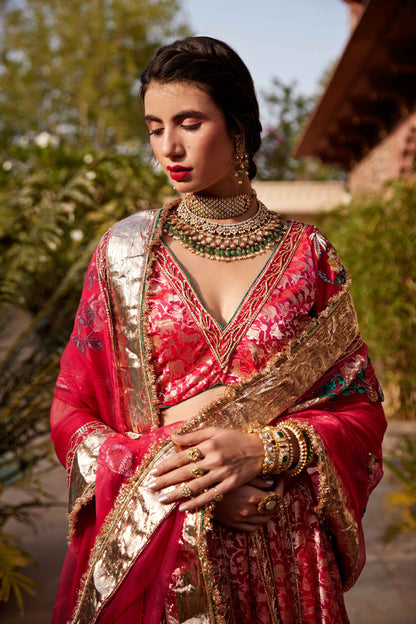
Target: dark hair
214,67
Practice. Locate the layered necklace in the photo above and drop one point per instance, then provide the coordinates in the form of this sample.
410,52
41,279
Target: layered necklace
190,224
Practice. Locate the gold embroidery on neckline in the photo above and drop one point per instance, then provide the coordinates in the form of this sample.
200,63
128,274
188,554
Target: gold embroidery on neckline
222,341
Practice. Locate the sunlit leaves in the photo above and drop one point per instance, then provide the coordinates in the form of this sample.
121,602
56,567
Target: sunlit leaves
375,236
402,503
12,559
70,68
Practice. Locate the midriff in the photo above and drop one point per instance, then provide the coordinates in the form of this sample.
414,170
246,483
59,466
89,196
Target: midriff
186,410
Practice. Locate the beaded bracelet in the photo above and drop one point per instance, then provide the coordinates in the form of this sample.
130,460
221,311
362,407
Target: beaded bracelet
303,448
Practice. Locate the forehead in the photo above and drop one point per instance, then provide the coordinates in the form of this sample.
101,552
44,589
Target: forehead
172,97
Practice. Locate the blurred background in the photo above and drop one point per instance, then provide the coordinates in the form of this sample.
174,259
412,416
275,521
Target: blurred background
336,82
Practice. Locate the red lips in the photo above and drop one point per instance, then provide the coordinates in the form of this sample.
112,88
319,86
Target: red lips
178,173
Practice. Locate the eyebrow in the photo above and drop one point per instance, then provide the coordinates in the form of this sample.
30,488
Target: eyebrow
186,113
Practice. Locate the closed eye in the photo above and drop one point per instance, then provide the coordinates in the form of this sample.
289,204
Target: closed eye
191,127
156,132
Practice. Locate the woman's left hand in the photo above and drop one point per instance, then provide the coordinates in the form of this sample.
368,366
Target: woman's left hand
240,509
228,458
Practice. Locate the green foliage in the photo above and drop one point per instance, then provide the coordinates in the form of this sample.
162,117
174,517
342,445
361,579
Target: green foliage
375,236
287,111
12,558
55,203
403,502
69,68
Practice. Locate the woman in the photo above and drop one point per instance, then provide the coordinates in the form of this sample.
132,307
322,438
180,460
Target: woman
216,409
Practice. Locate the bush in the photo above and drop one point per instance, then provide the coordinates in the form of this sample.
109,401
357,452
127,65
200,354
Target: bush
402,502
375,236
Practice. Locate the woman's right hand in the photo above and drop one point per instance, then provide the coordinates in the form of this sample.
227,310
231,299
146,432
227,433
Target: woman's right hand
238,509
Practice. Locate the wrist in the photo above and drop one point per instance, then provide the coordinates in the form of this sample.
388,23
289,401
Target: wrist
258,450
286,448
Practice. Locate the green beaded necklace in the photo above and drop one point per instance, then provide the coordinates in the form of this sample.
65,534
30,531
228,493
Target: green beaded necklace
225,241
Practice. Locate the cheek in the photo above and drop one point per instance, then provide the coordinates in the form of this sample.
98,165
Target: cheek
219,149
153,145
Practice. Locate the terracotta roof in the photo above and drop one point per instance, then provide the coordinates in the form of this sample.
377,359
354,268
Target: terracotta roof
370,90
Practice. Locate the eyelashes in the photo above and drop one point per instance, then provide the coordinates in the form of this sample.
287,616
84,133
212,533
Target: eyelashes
190,128
193,127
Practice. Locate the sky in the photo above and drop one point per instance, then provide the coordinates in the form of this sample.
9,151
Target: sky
294,40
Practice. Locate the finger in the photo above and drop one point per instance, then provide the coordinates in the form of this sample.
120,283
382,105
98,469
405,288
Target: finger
207,496
195,437
280,487
181,477
177,460
243,526
173,477
203,486
196,502
246,526
262,484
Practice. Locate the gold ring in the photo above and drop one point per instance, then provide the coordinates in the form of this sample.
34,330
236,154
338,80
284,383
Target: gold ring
218,495
194,454
197,471
186,491
269,503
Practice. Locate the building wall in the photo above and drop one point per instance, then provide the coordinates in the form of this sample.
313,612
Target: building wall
392,158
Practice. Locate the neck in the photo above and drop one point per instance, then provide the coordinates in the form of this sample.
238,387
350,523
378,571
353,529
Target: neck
223,207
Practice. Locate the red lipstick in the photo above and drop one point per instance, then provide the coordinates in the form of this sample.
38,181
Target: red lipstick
179,173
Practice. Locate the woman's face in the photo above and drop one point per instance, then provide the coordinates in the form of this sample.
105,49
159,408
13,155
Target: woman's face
189,138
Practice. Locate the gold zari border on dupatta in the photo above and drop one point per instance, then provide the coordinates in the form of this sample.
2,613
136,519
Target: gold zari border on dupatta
127,259
82,467
136,516
187,598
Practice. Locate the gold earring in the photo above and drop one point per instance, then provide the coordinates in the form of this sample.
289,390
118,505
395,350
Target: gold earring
241,166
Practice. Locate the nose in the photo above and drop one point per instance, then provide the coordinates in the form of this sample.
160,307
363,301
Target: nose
172,147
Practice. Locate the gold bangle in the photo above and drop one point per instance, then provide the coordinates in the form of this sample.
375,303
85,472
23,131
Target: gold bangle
284,448
270,452
303,448
269,446
311,453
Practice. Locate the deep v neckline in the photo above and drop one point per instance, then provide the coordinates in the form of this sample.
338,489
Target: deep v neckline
222,340
185,275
